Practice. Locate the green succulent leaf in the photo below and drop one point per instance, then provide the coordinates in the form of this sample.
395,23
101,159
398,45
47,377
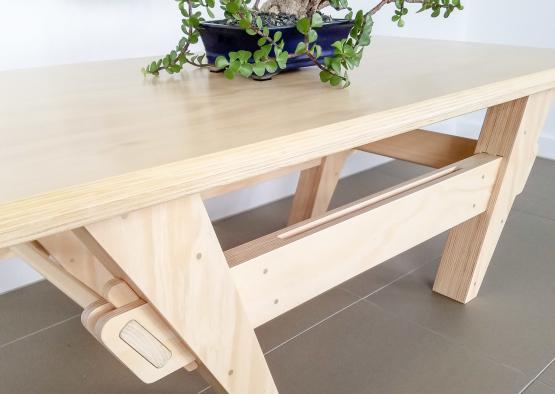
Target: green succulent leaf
303,25
221,62
335,80
301,47
282,59
312,36
246,70
271,66
317,20
234,66
229,74
325,76
259,68
270,55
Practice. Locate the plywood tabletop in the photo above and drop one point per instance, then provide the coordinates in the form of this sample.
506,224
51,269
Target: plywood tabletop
84,142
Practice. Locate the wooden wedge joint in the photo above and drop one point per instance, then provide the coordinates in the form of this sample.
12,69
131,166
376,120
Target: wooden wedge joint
134,332
139,338
113,312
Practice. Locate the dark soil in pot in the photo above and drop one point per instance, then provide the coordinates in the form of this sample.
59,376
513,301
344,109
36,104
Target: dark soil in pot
223,36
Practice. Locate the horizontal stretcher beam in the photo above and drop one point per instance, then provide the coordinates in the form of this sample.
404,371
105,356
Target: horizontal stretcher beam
424,147
278,272
273,274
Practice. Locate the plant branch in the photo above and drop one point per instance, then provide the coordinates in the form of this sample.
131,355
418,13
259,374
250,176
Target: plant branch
382,3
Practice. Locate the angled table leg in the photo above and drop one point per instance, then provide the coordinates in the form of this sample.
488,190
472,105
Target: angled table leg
315,188
171,253
510,130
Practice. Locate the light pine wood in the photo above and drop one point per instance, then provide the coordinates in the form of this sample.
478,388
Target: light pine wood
118,293
511,131
259,179
171,253
5,254
136,334
315,188
123,218
76,259
105,260
192,366
146,344
141,340
73,250
282,270
36,257
93,312
119,142
424,147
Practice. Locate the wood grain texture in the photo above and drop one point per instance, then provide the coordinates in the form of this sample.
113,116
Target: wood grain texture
170,251
147,345
511,131
118,142
142,341
282,270
315,188
100,255
76,259
118,293
93,312
33,254
424,147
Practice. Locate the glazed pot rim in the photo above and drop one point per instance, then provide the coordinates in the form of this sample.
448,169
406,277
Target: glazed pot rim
216,24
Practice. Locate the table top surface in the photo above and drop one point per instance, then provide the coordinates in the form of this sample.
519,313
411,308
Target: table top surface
100,129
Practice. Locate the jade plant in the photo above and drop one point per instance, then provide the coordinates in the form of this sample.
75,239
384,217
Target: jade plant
271,57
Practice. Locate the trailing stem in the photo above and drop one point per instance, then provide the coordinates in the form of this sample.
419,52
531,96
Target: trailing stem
271,56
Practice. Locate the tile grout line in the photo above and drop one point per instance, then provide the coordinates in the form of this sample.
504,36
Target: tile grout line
204,389
393,281
38,331
364,298
360,299
22,286
536,215
447,338
305,330
339,311
536,377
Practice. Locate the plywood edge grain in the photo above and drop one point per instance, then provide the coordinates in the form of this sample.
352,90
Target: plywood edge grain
76,206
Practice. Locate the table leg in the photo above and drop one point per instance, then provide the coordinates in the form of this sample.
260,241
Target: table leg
510,130
5,254
171,253
315,188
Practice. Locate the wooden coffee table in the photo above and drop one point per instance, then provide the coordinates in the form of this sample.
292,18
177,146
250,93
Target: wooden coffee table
103,175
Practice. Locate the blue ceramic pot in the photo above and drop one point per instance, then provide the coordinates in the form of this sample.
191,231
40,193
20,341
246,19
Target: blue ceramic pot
220,39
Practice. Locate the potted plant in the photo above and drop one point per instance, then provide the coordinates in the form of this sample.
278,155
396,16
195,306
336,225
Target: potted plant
257,41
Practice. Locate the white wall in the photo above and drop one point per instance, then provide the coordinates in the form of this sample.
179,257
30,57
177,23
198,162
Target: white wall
507,22
511,22
36,33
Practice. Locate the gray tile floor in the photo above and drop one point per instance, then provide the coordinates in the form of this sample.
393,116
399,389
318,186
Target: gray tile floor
381,332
